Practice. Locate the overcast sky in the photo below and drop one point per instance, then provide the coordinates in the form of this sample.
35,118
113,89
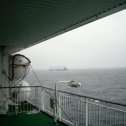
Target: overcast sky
100,44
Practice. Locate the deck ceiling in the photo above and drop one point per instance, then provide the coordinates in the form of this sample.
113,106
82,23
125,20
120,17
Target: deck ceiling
24,23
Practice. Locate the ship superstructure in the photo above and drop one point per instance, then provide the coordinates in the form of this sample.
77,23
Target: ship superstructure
58,68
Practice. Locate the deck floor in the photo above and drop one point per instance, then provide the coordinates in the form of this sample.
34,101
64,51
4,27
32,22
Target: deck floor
40,119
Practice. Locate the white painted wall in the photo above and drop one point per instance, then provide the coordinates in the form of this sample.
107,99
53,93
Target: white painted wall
4,81
0,69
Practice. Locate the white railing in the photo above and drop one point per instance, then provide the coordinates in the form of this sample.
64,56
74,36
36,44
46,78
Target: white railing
88,112
85,111
72,109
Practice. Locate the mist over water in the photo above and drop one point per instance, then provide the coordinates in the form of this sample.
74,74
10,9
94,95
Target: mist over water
107,84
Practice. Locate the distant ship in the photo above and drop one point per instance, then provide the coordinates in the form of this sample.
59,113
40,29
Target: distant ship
59,68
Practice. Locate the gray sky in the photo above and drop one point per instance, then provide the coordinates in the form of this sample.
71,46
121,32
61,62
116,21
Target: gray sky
100,44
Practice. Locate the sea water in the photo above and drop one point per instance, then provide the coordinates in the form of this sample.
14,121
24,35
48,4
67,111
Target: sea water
107,84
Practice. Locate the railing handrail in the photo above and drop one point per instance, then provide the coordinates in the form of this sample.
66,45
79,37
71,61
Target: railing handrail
78,95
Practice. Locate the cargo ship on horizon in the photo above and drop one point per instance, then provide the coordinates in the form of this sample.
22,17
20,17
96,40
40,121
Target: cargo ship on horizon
59,68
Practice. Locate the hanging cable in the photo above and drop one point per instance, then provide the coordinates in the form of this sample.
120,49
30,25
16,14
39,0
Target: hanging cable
57,102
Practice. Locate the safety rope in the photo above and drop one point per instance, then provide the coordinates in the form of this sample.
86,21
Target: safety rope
57,102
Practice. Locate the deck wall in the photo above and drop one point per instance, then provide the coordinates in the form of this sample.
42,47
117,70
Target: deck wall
4,80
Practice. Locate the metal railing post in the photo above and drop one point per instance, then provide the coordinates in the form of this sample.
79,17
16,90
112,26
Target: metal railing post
86,112
124,119
42,98
98,115
59,109
36,99
55,105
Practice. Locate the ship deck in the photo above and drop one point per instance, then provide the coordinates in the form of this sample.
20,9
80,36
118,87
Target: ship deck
41,119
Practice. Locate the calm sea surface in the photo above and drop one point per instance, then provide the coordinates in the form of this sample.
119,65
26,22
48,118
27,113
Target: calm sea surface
107,84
